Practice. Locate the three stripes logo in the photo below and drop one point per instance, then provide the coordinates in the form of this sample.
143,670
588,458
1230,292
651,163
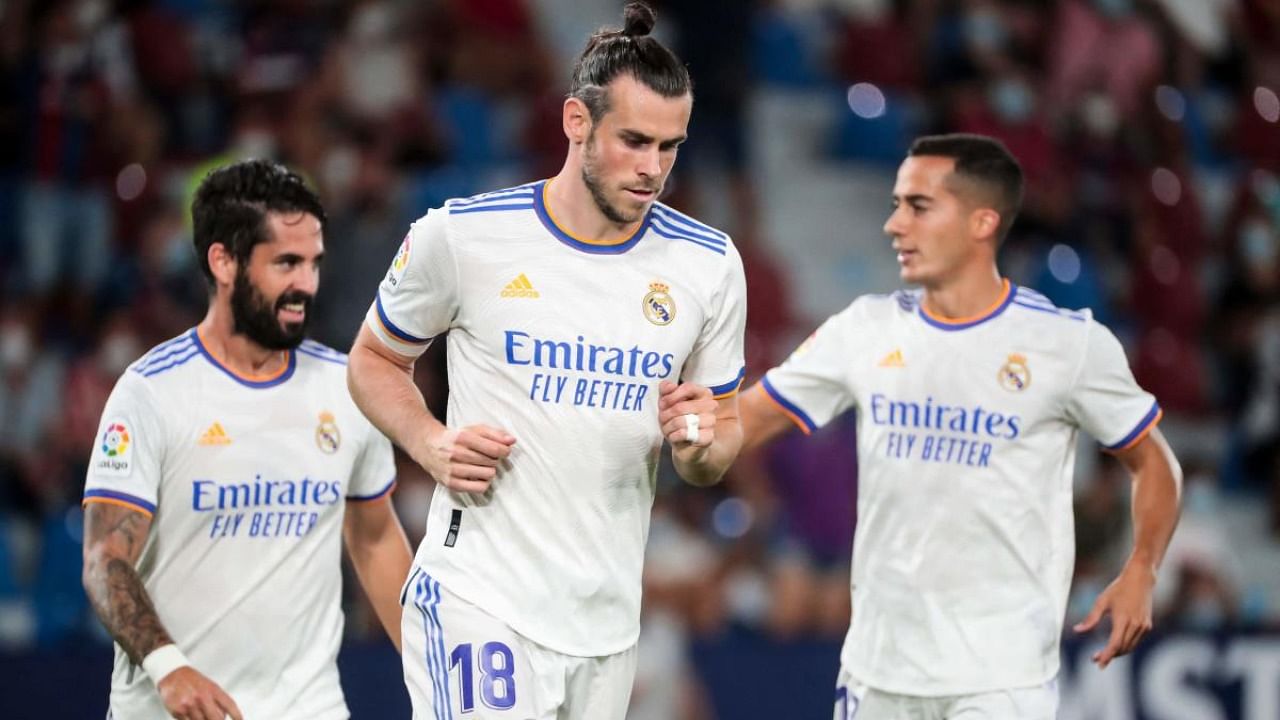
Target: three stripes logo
215,435
893,360
519,288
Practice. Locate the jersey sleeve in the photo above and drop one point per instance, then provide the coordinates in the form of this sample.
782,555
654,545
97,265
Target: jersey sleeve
374,474
717,360
128,451
1105,400
418,298
812,386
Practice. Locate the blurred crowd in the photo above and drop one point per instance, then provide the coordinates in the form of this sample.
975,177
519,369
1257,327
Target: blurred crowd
1149,131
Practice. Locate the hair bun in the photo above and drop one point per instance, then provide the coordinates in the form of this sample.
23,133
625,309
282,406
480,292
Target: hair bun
637,19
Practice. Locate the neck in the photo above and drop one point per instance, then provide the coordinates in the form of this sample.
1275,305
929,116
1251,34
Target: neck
965,296
574,209
237,352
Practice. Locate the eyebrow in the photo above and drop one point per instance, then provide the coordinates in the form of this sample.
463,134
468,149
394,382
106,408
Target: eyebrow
914,198
637,136
295,257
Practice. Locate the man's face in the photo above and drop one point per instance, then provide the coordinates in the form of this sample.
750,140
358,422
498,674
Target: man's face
930,224
630,152
271,299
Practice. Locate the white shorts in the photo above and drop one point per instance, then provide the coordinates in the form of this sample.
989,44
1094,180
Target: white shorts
856,701
461,662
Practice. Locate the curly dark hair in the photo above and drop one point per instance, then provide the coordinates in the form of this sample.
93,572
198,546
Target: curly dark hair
611,52
232,203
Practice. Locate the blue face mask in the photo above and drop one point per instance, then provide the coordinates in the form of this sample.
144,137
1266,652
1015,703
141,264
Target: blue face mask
984,30
1114,8
1012,100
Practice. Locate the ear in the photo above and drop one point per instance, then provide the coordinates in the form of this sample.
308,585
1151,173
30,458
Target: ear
577,121
222,264
984,222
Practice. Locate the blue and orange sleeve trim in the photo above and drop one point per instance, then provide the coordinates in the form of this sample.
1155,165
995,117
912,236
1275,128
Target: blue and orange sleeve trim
730,388
111,497
1140,431
395,331
788,408
375,496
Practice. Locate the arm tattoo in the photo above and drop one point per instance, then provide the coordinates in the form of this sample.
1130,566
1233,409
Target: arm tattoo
114,537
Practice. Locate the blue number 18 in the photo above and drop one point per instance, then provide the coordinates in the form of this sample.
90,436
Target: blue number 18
497,679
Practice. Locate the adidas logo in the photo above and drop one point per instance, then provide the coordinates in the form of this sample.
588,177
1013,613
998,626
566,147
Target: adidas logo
893,360
215,435
520,287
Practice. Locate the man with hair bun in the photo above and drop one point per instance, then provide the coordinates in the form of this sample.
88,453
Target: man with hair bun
587,324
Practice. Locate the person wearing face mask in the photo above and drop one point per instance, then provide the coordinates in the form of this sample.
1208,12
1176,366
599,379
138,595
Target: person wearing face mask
587,324
970,392
230,465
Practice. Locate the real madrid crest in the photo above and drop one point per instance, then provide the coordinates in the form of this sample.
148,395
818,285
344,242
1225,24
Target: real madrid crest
1014,375
658,306
328,439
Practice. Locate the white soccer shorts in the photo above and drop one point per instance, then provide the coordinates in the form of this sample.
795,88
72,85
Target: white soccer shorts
857,701
461,663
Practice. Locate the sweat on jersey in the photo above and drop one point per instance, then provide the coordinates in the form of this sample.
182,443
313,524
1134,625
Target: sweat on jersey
245,481
964,548
561,342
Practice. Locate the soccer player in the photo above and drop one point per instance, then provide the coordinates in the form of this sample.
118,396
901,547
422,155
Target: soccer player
231,460
969,393
586,324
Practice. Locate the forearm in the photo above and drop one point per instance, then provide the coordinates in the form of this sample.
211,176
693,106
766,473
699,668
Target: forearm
387,395
382,564
1156,493
703,466
122,604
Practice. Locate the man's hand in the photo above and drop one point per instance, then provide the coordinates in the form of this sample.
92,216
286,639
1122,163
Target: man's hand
1128,600
677,401
465,460
188,695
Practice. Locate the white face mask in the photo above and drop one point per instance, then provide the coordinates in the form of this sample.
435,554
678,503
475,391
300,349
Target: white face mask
117,352
15,348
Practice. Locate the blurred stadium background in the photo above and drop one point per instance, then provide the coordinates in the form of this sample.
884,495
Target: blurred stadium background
1149,130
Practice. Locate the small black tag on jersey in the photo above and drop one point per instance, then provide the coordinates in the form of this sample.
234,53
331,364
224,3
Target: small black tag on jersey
454,523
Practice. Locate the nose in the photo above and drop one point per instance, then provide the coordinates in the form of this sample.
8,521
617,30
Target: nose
306,278
893,225
650,163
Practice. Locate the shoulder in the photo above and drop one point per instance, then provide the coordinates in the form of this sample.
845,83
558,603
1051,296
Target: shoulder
671,224
164,359
519,197
1028,302
312,351
883,307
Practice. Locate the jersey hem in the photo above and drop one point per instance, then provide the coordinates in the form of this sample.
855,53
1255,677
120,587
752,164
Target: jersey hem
948,690
463,591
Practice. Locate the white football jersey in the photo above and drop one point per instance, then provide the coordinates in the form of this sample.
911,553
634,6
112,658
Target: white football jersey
561,342
964,548
245,480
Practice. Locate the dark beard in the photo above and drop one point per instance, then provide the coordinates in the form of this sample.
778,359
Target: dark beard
596,189
255,318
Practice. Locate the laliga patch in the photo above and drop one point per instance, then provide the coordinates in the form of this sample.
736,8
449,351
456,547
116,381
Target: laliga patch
400,262
114,454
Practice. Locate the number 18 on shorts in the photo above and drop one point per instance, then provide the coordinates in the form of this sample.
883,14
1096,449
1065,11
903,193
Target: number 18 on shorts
460,662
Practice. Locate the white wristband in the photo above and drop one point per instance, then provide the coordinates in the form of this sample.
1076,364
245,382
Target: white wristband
162,661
